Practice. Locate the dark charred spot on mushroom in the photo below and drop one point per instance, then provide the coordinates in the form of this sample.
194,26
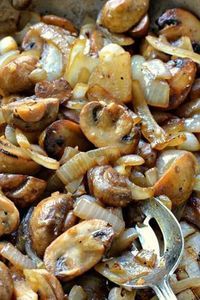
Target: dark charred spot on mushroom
196,47
168,21
95,113
192,211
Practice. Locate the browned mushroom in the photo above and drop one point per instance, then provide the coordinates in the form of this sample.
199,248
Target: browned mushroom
110,124
31,114
107,185
21,4
45,284
6,283
8,16
78,249
61,134
178,22
47,220
195,90
14,75
22,189
141,29
177,181
61,22
13,160
120,15
58,88
148,153
192,211
183,75
9,216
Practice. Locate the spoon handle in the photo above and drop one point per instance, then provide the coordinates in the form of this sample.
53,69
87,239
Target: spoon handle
164,291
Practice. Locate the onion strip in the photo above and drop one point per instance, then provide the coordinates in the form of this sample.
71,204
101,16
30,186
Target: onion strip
123,242
87,210
79,164
8,251
171,50
185,284
140,193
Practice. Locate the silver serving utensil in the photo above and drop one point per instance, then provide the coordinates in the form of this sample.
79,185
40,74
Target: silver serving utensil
158,279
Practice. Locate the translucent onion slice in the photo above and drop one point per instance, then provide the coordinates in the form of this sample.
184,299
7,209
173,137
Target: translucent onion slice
7,44
130,160
123,242
171,50
10,135
191,143
156,91
7,57
79,164
157,68
151,176
77,293
32,151
52,61
73,186
13,255
192,124
141,193
188,283
87,210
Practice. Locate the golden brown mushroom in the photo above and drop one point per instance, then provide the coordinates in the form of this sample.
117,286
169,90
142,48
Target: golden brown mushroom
14,76
6,283
44,283
13,160
61,134
148,153
120,15
110,124
31,114
183,75
78,249
58,88
9,216
23,190
178,22
141,29
195,90
47,220
61,22
177,181
107,185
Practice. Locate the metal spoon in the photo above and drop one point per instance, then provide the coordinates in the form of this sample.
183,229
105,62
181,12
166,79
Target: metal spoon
158,279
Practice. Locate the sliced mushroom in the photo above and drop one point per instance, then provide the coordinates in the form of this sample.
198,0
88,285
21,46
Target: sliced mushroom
9,216
23,190
45,284
183,75
31,114
141,29
6,283
178,22
13,160
120,15
192,211
78,249
58,88
177,181
107,185
110,124
8,16
14,75
147,153
195,90
61,22
47,220
61,134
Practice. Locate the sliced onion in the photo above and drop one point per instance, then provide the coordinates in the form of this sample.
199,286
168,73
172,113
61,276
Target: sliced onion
73,186
166,201
11,253
166,159
192,124
117,293
184,42
87,210
22,139
42,160
7,44
130,160
38,75
8,57
69,152
191,143
80,90
151,176
197,184
22,290
77,293
156,91
10,135
79,164
123,242
150,129
52,61
157,68
188,283
116,38
76,104
168,49
141,193
2,120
